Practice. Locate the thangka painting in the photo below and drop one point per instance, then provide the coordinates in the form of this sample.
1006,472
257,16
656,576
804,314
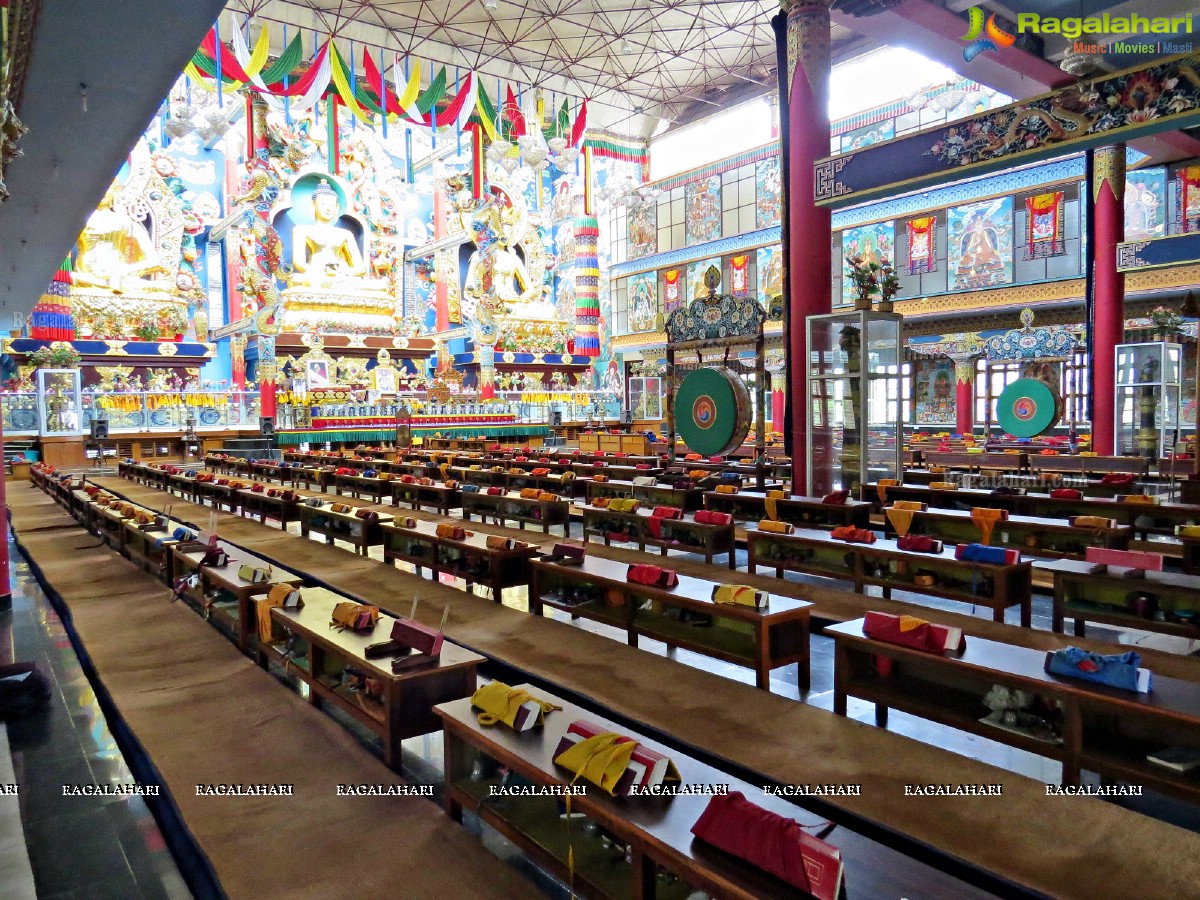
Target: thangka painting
933,391
641,226
979,244
922,245
702,210
873,243
1145,204
1044,225
674,285
857,138
770,278
1188,198
768,196
739,275
642,295
695,278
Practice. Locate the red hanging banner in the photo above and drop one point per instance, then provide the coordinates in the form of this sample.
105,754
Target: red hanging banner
922,242
1043,226
1189,198
672,293
737,271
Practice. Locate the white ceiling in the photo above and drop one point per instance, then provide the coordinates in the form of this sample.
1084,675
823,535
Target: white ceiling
640,61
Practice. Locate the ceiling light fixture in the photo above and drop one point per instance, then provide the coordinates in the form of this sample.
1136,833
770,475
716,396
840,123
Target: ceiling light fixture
626,47
490,5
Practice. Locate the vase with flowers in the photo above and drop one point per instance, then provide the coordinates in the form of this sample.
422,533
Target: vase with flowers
1167,322
889,285
864,276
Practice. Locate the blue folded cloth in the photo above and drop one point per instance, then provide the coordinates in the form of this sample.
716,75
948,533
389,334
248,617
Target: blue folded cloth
469,488
1119,670
369,473
983,553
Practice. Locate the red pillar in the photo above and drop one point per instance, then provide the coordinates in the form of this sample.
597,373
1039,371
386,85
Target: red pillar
807,254
964,396
256,137
1108,191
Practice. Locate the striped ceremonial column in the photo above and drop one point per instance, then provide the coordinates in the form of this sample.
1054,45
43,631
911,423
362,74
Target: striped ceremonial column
587,286
52,318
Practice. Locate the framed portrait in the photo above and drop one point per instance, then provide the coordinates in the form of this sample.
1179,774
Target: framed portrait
316,373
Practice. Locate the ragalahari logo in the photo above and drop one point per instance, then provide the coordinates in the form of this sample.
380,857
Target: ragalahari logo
982,37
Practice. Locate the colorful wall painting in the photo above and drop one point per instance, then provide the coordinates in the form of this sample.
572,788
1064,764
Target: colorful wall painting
1145,204
768,192
933,391
642,295
979,244
641,224
674,287
874,243
695,278
702,210
770,274
857,138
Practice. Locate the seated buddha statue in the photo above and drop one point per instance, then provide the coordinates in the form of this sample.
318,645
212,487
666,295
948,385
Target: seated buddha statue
326,256
116,254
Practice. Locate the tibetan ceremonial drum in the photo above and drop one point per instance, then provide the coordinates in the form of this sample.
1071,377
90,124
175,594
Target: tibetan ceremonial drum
713,411
1028,407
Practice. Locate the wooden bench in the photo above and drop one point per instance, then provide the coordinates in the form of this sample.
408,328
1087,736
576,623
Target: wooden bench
522,510
809,512
1104,730
684,533
359,533
403,707
885,565
664,859
761,639
687,499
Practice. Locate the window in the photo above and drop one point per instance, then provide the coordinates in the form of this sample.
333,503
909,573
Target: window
724,134
645,398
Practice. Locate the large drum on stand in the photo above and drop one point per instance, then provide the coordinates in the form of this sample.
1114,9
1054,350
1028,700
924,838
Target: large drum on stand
713,411
1028,407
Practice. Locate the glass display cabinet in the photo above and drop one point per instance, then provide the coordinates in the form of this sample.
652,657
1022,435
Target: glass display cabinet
1148,396
60,401
854,391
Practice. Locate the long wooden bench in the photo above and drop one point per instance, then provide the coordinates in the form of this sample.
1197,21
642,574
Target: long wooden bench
1020,840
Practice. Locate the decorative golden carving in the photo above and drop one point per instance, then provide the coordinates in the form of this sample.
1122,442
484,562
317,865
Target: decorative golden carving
1108,167
116,348
168,348
808,42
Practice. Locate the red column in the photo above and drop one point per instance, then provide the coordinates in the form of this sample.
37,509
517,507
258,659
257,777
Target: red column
807,254
1108,298
964,396
256,136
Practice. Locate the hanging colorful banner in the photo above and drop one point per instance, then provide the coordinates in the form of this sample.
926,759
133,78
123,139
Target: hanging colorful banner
672,290
739,280
922,244
1043,228
1189,198
587,286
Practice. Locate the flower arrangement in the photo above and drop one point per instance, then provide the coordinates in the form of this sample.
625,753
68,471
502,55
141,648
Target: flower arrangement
865,278
58,355
1166,320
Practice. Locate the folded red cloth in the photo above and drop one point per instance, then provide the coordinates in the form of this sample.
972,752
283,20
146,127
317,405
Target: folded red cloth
1066,494
495,491
920,544
764,839
667,512
1115,478
645,574
642,466
854,535
836,498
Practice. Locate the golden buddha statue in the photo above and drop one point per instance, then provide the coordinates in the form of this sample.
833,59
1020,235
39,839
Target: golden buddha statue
116,254
508,290
325,255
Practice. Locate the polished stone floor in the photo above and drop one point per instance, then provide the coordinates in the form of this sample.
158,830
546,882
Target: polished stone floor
117,851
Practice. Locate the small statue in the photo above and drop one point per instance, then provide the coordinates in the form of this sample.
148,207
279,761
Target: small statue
115,253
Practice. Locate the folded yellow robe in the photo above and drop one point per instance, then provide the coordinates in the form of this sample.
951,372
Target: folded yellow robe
901,518
882,485
943,486
771,502
498,702
624,504
1138,498
740,594
1098,522
529,493
915,505
727,489
1190,531
776,527
985,519
601,759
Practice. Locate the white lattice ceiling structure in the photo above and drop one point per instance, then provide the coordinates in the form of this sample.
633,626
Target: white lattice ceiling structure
640,61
